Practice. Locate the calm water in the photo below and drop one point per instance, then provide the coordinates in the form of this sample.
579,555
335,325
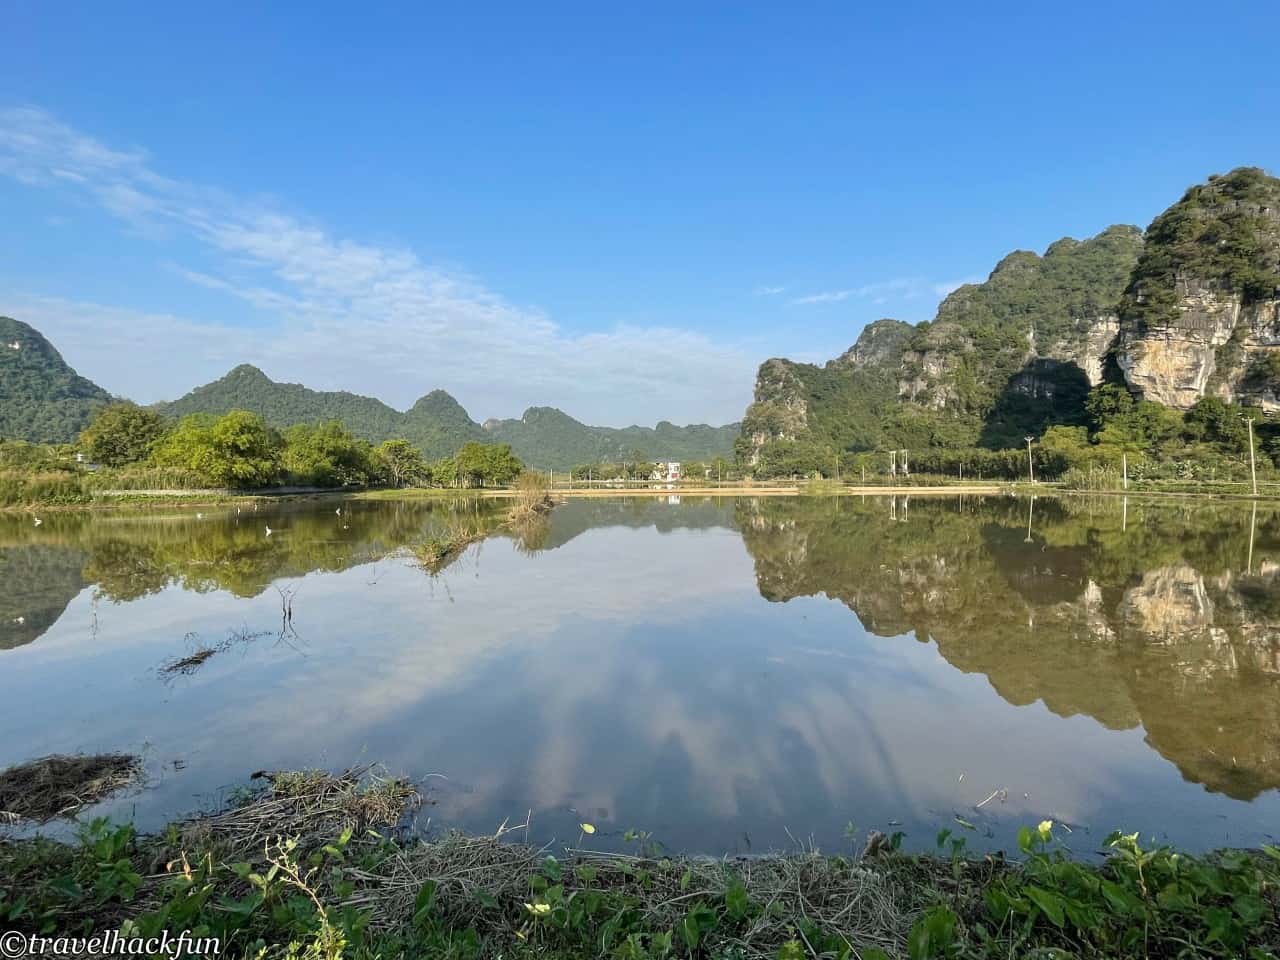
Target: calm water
717,671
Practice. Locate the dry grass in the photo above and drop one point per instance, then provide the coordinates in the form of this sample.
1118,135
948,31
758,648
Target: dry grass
532,499
59,786
866,904
311,805
864,901
483,881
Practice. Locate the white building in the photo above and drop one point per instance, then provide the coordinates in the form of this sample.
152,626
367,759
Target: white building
667,470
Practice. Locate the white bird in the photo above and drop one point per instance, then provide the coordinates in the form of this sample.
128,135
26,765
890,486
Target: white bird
199,516
338,511
268,531
19,620
37,521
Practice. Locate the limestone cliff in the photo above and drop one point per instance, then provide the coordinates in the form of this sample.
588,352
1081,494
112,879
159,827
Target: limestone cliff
1201,316
1188,310
1001,358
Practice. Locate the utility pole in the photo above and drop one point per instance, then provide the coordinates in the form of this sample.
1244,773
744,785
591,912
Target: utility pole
1253,522
905,471
893,463
1253,466
1124,464
1031,466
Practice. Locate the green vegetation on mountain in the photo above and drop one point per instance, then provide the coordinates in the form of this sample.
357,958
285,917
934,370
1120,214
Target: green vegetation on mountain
1025,354
1224,233
1001,359
548,438
41,398
438,425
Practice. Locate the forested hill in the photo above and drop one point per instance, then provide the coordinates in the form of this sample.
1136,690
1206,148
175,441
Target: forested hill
551,438
544,437
1188,310
436,423
41,398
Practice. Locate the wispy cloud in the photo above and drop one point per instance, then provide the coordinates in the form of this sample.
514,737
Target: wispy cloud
768,291
883,291
345,313
827,296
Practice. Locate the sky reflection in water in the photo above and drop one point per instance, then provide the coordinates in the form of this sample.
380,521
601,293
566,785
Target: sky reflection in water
716,672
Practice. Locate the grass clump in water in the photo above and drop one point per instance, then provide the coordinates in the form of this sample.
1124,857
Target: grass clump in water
58,786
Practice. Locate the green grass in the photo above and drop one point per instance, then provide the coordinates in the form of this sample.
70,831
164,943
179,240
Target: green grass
311,866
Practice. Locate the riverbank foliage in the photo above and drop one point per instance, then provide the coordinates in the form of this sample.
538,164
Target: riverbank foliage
127,447
313,865
1207,444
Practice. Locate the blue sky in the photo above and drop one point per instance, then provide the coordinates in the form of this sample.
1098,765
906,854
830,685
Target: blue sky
620,212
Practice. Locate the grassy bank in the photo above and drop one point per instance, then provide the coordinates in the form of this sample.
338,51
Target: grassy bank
311,865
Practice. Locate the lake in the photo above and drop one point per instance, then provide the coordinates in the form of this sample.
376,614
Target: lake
730,675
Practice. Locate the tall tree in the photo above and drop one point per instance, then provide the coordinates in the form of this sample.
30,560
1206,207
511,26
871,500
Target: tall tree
122,433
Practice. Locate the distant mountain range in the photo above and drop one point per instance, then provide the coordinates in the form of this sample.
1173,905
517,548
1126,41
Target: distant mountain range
438,425
43,399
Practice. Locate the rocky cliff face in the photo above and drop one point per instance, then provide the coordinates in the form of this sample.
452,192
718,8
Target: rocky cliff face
1216,346
995,337
1201,316
1188,310
780,410
1032,338
879,343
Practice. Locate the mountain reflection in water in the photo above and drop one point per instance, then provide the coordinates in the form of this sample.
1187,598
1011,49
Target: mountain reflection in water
687,667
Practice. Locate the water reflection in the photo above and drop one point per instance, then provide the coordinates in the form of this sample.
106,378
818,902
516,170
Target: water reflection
1156,615
690,668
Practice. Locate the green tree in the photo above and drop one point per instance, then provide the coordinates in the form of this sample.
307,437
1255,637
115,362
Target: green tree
400,463
1216,421
122,433
1106,402
326,455
235,450
487,464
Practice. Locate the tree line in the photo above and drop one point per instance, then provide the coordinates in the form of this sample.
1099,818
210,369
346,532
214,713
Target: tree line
241,450
1209,442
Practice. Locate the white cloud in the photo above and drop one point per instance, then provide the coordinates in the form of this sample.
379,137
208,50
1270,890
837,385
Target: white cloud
345,314
827,296
763,291
883,291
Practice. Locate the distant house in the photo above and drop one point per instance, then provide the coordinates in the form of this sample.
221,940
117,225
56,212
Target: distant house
667,470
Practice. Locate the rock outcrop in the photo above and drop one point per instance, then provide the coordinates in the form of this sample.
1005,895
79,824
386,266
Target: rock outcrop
1201,316
1190,309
